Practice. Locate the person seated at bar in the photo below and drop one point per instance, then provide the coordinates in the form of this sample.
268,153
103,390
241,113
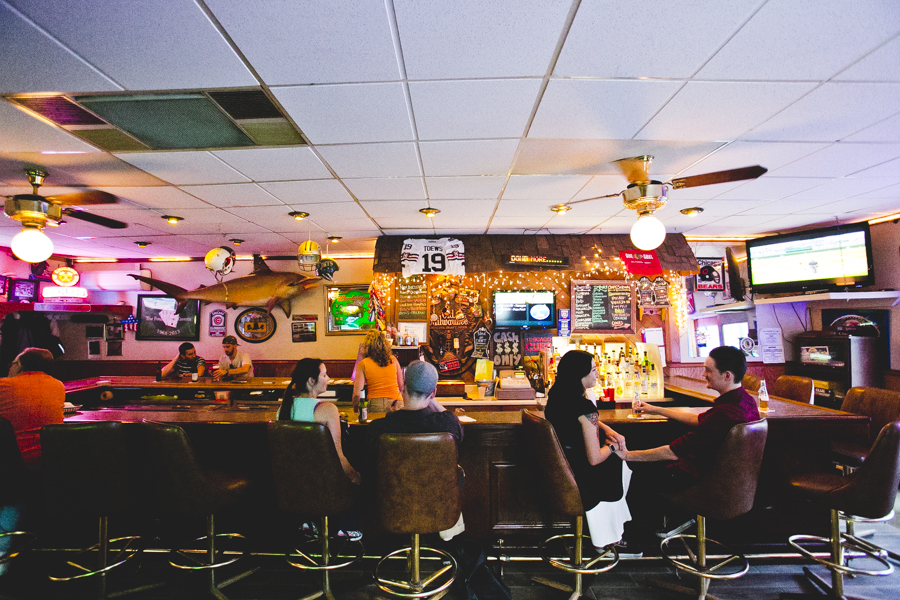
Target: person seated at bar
299,403
186,363
381,372
590,447
233,364
420,413
688,457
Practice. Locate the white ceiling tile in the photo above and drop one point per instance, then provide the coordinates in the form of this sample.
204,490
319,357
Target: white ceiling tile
887,130
552,188
830,112
308,192
744,220
92,169
840,160
770,155
800,40
275,164
276,218
372,160
580,109
346,114
581,221
394,208
862,207
701,26
847,187
787,206
617,224
782,224
501,230
32,61
470,38
155,197
538,208
881,65
463,208
768,188
602,185
469,157
233,194
720,110
720,208
409,231
448,110
151,45
184,168
333,223
889,168
892,191
464,187
316,41
424,224
461,220
348,215
409,188
523,221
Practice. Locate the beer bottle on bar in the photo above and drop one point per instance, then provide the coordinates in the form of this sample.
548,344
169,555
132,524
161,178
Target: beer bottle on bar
363,407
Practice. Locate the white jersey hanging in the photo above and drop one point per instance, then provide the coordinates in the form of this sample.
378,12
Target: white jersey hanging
444,256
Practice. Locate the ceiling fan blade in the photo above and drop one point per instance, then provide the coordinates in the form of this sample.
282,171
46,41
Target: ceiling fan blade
718,177
595,198
636,169
95,219
84,198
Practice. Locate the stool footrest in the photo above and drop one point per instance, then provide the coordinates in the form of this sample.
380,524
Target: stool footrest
609,558
312,564
26,538
732,565
409,589
196,565
122,556
849,543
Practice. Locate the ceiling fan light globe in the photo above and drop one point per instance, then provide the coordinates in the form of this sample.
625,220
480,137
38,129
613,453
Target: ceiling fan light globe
647,233
32,245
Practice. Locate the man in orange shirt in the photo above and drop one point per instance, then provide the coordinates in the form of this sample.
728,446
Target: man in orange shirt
31,400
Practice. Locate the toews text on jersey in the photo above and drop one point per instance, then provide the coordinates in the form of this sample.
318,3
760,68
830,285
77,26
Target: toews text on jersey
444,256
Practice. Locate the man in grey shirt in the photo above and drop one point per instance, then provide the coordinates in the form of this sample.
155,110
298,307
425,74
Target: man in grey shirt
233,364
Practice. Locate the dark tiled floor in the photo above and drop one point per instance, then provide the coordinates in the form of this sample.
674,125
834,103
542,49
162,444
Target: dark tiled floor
630,580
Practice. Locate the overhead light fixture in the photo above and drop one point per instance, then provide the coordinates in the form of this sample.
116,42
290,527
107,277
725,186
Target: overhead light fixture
298,215
429,212
334,239
884,219
96,260
648,232
713,238
560,209
236,241
691,212
172,259
172,220
32,245
143,244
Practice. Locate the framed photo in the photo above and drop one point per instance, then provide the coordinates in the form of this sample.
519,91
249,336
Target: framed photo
3,280
115,332
254,325
348,309
23,290
158,321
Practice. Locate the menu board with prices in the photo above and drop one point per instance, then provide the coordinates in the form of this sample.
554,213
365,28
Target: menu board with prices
602,307
412,299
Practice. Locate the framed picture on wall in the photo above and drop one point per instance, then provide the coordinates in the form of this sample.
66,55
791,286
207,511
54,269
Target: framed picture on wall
159,322
23,290
348,310
114,332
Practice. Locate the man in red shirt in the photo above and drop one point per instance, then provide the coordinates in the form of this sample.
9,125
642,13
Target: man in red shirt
31,400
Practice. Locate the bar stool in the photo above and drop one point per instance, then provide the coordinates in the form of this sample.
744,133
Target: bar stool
86,470
417,492
726,491
869,493
799,389
310,481
13,487
560,494
751,383
183,488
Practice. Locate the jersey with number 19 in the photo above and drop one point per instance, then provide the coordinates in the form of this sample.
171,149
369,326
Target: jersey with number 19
444,256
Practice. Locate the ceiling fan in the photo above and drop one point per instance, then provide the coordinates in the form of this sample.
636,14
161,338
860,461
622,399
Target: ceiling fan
645,195
35,212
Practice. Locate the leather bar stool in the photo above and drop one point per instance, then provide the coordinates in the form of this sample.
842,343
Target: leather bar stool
751,383
792,387
726,491
869,493
13,488
881,406
310,481
559,493
86,470
183,488
417,492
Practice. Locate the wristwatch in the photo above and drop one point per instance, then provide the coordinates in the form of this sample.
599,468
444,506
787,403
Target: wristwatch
612,448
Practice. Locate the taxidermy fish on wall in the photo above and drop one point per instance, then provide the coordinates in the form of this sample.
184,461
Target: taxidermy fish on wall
263,287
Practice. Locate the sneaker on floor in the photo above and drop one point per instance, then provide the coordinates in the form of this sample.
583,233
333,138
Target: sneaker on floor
310,530
350,534
669,531
626,551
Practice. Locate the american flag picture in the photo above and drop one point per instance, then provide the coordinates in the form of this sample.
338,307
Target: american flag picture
130,324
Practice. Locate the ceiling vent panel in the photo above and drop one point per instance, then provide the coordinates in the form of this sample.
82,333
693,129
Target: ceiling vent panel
169,121
246,104
59,109
272,132
110,139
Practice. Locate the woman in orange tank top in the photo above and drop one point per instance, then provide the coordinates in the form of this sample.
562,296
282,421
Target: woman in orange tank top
380,373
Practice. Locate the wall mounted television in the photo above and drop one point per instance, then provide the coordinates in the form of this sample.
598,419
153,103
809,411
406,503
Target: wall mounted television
822,259
524,309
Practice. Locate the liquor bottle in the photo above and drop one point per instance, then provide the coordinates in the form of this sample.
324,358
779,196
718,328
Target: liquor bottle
645,382
646,362
363,407
654,385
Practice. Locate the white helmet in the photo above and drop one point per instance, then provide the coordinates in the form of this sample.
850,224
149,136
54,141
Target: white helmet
308,255
220,260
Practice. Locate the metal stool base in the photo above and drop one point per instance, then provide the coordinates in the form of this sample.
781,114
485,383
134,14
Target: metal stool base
122,556
26,536
848,543
417,587
709,570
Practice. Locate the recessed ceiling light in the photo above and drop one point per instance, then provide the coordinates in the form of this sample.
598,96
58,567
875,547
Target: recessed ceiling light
429,212
173,220
298,215
691,212
560,209
334,238
236,241
143,244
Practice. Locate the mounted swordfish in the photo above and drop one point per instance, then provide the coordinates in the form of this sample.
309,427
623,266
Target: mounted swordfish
264,287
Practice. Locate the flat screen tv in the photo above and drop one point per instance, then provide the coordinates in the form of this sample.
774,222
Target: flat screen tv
823,259
524,309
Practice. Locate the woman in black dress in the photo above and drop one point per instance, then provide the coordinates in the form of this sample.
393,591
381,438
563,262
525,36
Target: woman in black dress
590,447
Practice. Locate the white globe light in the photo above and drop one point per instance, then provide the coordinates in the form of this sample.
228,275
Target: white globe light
32,245
648,232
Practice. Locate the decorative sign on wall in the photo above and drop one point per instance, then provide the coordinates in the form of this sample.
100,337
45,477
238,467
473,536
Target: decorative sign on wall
711,277
530,260
507,349
217,323
482,341
254,325
641,262
455,316
303,328
412,299
537,342
443,256
653,293
602,307
159,321
349,309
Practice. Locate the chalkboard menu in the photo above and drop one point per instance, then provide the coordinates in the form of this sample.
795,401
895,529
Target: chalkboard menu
412,299
602,307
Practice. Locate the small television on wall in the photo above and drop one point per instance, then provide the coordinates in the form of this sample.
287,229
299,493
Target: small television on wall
822,259
524,309
23,290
